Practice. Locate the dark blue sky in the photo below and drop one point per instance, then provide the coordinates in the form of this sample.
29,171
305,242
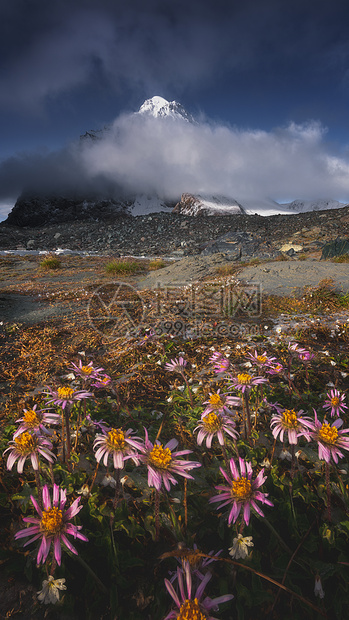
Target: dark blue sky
69,66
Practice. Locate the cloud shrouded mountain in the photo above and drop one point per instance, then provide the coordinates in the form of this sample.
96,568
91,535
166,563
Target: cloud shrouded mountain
161,150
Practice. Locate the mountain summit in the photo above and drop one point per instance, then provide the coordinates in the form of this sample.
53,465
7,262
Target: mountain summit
158,107
115,190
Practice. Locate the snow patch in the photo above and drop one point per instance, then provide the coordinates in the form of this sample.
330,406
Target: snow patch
144,205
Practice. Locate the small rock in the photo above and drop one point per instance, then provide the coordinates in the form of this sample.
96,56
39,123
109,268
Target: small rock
57,236
30,244
291,246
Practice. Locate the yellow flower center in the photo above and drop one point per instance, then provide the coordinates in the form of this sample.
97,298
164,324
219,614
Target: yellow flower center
216,401
289,418
335,401
31,419
51,521
86,370
116,439
65,393
328,434
262,358
241,489
244,378
190,610
160,457
212,422
25,443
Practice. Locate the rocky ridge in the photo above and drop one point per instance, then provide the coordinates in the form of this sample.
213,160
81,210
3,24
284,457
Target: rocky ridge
170,234
197,205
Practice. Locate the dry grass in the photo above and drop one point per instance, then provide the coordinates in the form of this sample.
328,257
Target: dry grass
228,270
50,263
157,263
341,259
315,300
123,267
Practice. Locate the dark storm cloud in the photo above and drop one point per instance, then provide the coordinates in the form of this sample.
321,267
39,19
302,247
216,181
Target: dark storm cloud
52,48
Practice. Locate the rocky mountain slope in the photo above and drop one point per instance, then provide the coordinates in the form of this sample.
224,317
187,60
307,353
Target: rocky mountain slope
165,234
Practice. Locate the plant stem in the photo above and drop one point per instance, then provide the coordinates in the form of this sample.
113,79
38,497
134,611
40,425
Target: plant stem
79,559
248,415
188,388
53,565
157,515
328,490
243,430
272,453
38,485
116,496
185,503
94,477
67,427
51,473
293,462
225,456
63,437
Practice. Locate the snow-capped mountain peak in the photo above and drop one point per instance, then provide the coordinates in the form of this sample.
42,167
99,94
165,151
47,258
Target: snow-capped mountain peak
158,107
321,204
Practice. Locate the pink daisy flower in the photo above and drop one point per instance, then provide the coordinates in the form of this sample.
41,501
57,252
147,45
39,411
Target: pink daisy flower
64,396
220,403
244,381
330,440
294,347
52,524
86,372
212,424
305,356
262,360
242,491
275,369
215,357
34,421
335,402
190,605
103,381
221,365
163,463
292,423
27,445
176,365
117,444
